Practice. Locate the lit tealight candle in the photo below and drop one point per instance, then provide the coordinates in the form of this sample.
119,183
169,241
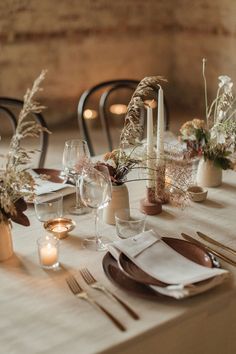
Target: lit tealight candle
59,228
48,252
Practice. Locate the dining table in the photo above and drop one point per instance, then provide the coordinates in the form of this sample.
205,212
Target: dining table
39,314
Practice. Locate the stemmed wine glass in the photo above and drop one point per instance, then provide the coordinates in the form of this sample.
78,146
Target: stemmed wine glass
75,156
95,191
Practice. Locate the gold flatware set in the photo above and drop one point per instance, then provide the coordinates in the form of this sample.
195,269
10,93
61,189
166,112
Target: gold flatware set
90,280
210,249
78,291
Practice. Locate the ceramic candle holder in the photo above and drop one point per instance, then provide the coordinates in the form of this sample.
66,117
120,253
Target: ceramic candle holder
197,194
60,227
150,205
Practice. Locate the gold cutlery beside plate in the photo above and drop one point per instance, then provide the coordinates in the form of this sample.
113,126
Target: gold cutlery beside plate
90,280
216,243
209,249
78,291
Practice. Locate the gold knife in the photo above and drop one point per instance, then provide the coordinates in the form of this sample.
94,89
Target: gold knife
209,249
217,243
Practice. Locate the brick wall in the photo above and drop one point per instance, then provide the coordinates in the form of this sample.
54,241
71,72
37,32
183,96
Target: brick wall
82,42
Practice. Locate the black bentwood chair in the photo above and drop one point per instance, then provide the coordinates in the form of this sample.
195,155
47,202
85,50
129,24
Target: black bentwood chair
103,92
9,108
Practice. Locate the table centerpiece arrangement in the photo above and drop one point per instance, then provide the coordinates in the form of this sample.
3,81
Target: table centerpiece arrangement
166,179
213,140
16,183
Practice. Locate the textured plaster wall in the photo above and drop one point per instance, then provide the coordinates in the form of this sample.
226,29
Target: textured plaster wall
82,42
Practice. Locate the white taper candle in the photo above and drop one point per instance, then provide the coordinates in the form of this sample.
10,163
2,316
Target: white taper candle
160,128
150,160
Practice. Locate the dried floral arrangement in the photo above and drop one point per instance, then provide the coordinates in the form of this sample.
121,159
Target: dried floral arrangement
119,164
15,181
132,128
178,170
215,137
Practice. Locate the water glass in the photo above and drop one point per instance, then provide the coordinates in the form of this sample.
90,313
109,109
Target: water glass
129,222
48,206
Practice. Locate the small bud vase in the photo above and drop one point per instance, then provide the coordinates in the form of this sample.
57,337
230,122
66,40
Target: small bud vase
119,200
208,175
6,247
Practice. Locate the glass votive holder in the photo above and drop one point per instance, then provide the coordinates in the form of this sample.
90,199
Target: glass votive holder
48,250
129,222
49,206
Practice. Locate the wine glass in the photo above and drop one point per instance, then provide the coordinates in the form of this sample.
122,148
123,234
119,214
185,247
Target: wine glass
95,191
75,156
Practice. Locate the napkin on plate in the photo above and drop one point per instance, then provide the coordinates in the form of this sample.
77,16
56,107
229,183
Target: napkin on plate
44,186
156,258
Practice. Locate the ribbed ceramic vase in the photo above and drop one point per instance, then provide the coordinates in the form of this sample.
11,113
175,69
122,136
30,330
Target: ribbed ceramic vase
6,247
208,175
119,200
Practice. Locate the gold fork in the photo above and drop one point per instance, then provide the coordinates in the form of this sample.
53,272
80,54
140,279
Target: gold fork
81,294
90,280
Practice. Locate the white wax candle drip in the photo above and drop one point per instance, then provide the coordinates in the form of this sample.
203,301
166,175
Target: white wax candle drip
150,150
160,128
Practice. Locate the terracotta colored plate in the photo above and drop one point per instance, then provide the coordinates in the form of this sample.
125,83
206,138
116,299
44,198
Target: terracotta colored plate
132,278
55,175
118,277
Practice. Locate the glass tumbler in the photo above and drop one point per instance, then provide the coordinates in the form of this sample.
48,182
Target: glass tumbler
48,206
129,222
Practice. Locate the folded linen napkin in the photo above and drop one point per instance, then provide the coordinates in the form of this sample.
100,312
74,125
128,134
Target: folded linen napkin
156,258
44,186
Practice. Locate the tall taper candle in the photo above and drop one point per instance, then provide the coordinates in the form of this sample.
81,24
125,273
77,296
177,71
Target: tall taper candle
160,129
150,157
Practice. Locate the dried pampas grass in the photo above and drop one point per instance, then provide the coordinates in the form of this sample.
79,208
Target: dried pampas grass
133,128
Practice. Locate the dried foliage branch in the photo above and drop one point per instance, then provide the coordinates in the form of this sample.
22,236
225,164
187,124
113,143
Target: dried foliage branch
132,128
15,181
17,155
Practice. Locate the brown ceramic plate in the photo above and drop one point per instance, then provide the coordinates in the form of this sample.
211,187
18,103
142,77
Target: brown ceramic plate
118,277
129,277
55,175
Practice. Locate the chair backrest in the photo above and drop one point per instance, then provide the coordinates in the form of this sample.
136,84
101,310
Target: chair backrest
106,89
8,107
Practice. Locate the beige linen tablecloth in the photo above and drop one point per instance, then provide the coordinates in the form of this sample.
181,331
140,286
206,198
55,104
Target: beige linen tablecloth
40,315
